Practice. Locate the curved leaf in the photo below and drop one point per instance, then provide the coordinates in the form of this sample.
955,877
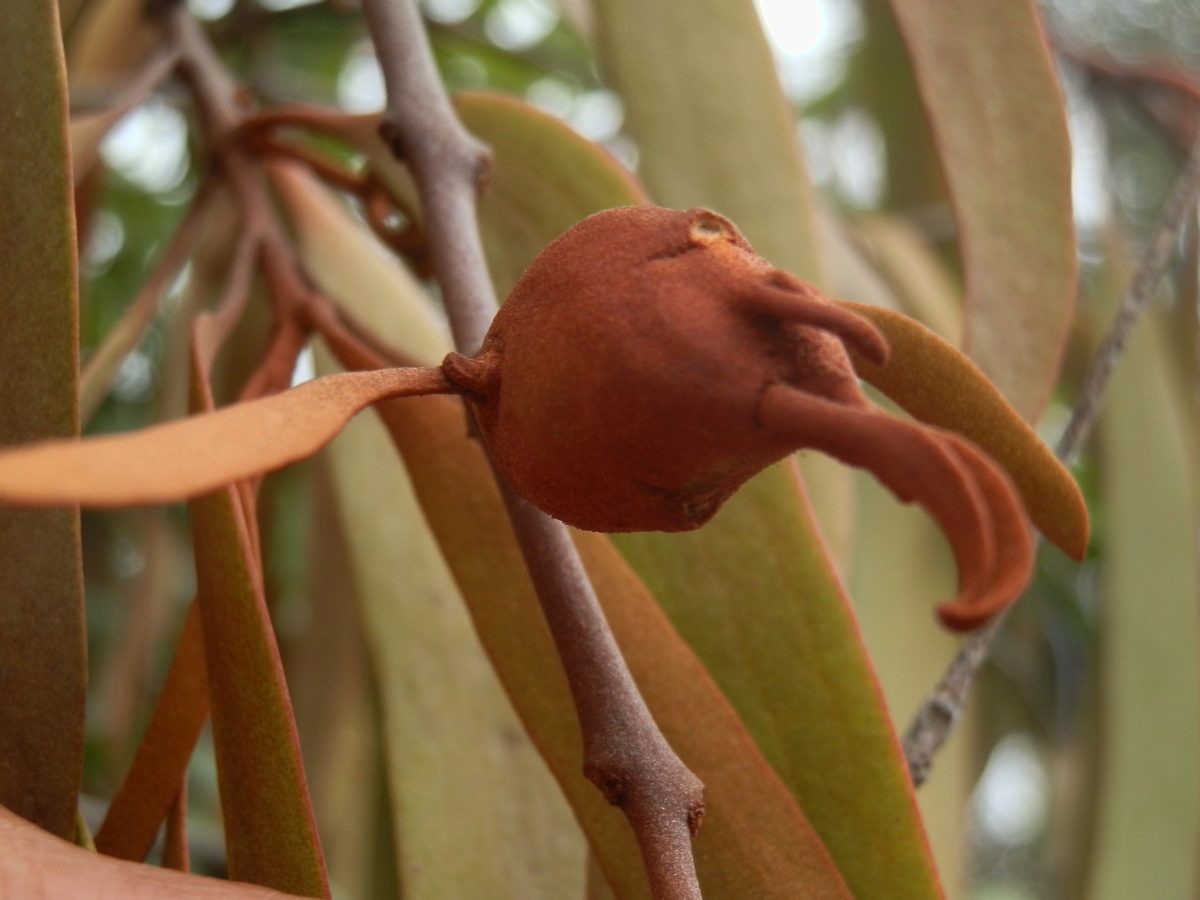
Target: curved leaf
997,116
939,385
187,457
43,654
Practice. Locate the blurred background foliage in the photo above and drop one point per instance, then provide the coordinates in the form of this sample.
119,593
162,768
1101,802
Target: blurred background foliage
1020,812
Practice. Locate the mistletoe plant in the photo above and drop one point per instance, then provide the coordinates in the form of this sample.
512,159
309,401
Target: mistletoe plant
646,366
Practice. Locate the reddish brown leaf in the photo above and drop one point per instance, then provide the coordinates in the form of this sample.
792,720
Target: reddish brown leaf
161,764
43,665
190,456
175,849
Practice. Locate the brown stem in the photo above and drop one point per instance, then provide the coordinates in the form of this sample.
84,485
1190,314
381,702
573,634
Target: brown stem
449,165
624,752
941,710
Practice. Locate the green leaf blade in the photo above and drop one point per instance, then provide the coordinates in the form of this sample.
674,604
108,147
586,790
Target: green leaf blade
43,663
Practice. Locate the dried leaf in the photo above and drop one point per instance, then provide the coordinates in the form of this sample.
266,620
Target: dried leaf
190,456
939,385
997,115
43,653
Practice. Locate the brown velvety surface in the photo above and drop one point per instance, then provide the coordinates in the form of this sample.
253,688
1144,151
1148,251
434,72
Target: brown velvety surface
649,362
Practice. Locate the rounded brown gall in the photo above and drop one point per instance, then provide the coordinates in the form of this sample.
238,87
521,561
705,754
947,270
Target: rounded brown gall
649,362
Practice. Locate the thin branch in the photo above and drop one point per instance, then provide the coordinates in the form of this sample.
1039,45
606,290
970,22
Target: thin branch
625,755
941,710
102,366
1141,289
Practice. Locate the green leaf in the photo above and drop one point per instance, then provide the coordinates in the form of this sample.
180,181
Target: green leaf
756,841
270,836
546,178
997,116
1148,808
475,808
712,126
43,662
752,592
901,562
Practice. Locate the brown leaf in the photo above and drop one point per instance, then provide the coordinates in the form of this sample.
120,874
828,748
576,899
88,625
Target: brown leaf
160,767
190,456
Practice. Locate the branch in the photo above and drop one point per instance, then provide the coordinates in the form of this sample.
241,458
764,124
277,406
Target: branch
941,710
1141,289
625,755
